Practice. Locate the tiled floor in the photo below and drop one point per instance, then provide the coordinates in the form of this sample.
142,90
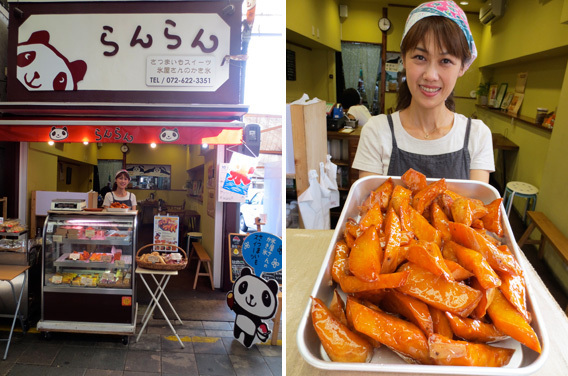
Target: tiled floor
210,349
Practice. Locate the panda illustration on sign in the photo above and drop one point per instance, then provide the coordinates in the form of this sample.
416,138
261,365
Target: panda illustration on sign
42,67
169,135
253,299
58,134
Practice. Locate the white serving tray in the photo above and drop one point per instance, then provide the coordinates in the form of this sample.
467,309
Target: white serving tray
524,362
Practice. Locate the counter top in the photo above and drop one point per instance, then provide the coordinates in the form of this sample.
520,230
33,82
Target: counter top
305,250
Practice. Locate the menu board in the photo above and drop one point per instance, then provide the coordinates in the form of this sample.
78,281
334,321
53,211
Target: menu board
166,232
238,261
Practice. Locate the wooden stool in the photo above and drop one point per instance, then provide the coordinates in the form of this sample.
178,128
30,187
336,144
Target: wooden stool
191,236
520,189
204,258
276,320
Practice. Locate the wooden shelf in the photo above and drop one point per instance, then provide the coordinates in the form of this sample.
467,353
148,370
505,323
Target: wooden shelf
524,119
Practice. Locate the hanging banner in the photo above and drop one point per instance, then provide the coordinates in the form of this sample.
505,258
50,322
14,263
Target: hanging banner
121,134
241,168
144,52
226,195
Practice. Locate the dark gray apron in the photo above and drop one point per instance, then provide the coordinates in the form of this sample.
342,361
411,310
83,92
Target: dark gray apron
127,202
453,165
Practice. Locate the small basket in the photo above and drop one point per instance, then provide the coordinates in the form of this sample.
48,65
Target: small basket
153,266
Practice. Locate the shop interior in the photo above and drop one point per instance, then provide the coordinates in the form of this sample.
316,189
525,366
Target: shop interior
339,45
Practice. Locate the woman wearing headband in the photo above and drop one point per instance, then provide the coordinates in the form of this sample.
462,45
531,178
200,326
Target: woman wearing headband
425,133
119,193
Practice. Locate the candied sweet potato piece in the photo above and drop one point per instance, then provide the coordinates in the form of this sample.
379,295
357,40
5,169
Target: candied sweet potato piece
373,216
339,267
340,343
507,319
441,323
380,195
413,309
474,330
446,351
366,255
486,299
422,229
337,307
376,344
428,256
476,263
448,251
449,296
414,180
423,198
402,336
352,284
352,227
458,272
392,231
492,220
440,221
515,291
466,210
498,259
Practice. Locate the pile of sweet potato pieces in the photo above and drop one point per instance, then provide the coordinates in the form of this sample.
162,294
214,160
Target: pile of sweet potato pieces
426,276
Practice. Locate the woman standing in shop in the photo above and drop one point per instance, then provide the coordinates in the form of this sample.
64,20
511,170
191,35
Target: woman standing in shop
119,193
425,133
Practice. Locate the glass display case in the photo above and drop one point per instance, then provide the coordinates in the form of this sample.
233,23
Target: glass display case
88,272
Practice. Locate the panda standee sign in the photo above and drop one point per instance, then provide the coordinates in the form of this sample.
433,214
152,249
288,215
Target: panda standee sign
253,298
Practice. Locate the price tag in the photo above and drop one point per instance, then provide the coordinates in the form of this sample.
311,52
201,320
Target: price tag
1,220
108,276
153,259
74,256
57,238
119,263
175,256
90,233
50,227
106,258
57,279
87,281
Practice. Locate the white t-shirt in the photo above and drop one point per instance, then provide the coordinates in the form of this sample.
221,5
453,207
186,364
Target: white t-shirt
361,113
375,143
109,200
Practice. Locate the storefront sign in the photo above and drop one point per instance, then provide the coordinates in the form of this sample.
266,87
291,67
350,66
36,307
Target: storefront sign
124,50
123,134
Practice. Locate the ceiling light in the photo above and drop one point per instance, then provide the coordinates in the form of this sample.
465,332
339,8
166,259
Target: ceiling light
50,143
153,145
464,3
204,146
85,142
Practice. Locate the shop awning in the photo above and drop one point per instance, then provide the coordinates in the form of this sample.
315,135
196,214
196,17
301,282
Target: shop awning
120,123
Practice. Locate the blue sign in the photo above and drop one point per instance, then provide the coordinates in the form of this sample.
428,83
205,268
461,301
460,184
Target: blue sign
263,252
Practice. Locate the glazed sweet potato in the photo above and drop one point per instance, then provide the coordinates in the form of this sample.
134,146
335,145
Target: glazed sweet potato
454,297
445,351
373,216
337,307
458,272
423,229
507,319
440,221
339,267
414,180
499,260
412,309
476,263
340,343
366,255
487,296
428,256
492,220
380,195
441,323
423,198
392,232
352,284
514,290
474,330
402,336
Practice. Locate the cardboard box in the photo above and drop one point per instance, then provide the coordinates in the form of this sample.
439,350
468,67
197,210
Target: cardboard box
92,200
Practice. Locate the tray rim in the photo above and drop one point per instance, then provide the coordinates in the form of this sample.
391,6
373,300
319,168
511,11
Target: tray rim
420,368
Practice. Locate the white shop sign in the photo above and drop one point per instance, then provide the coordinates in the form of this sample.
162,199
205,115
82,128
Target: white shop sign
123,52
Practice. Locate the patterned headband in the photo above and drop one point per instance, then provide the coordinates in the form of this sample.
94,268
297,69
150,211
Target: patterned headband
447,9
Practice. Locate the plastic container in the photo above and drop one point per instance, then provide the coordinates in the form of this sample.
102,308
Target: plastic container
524,362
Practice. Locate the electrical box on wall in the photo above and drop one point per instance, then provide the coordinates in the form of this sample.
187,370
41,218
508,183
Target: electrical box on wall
251,140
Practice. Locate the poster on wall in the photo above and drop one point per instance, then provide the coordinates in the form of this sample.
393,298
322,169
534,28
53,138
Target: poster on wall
238,177
166,232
